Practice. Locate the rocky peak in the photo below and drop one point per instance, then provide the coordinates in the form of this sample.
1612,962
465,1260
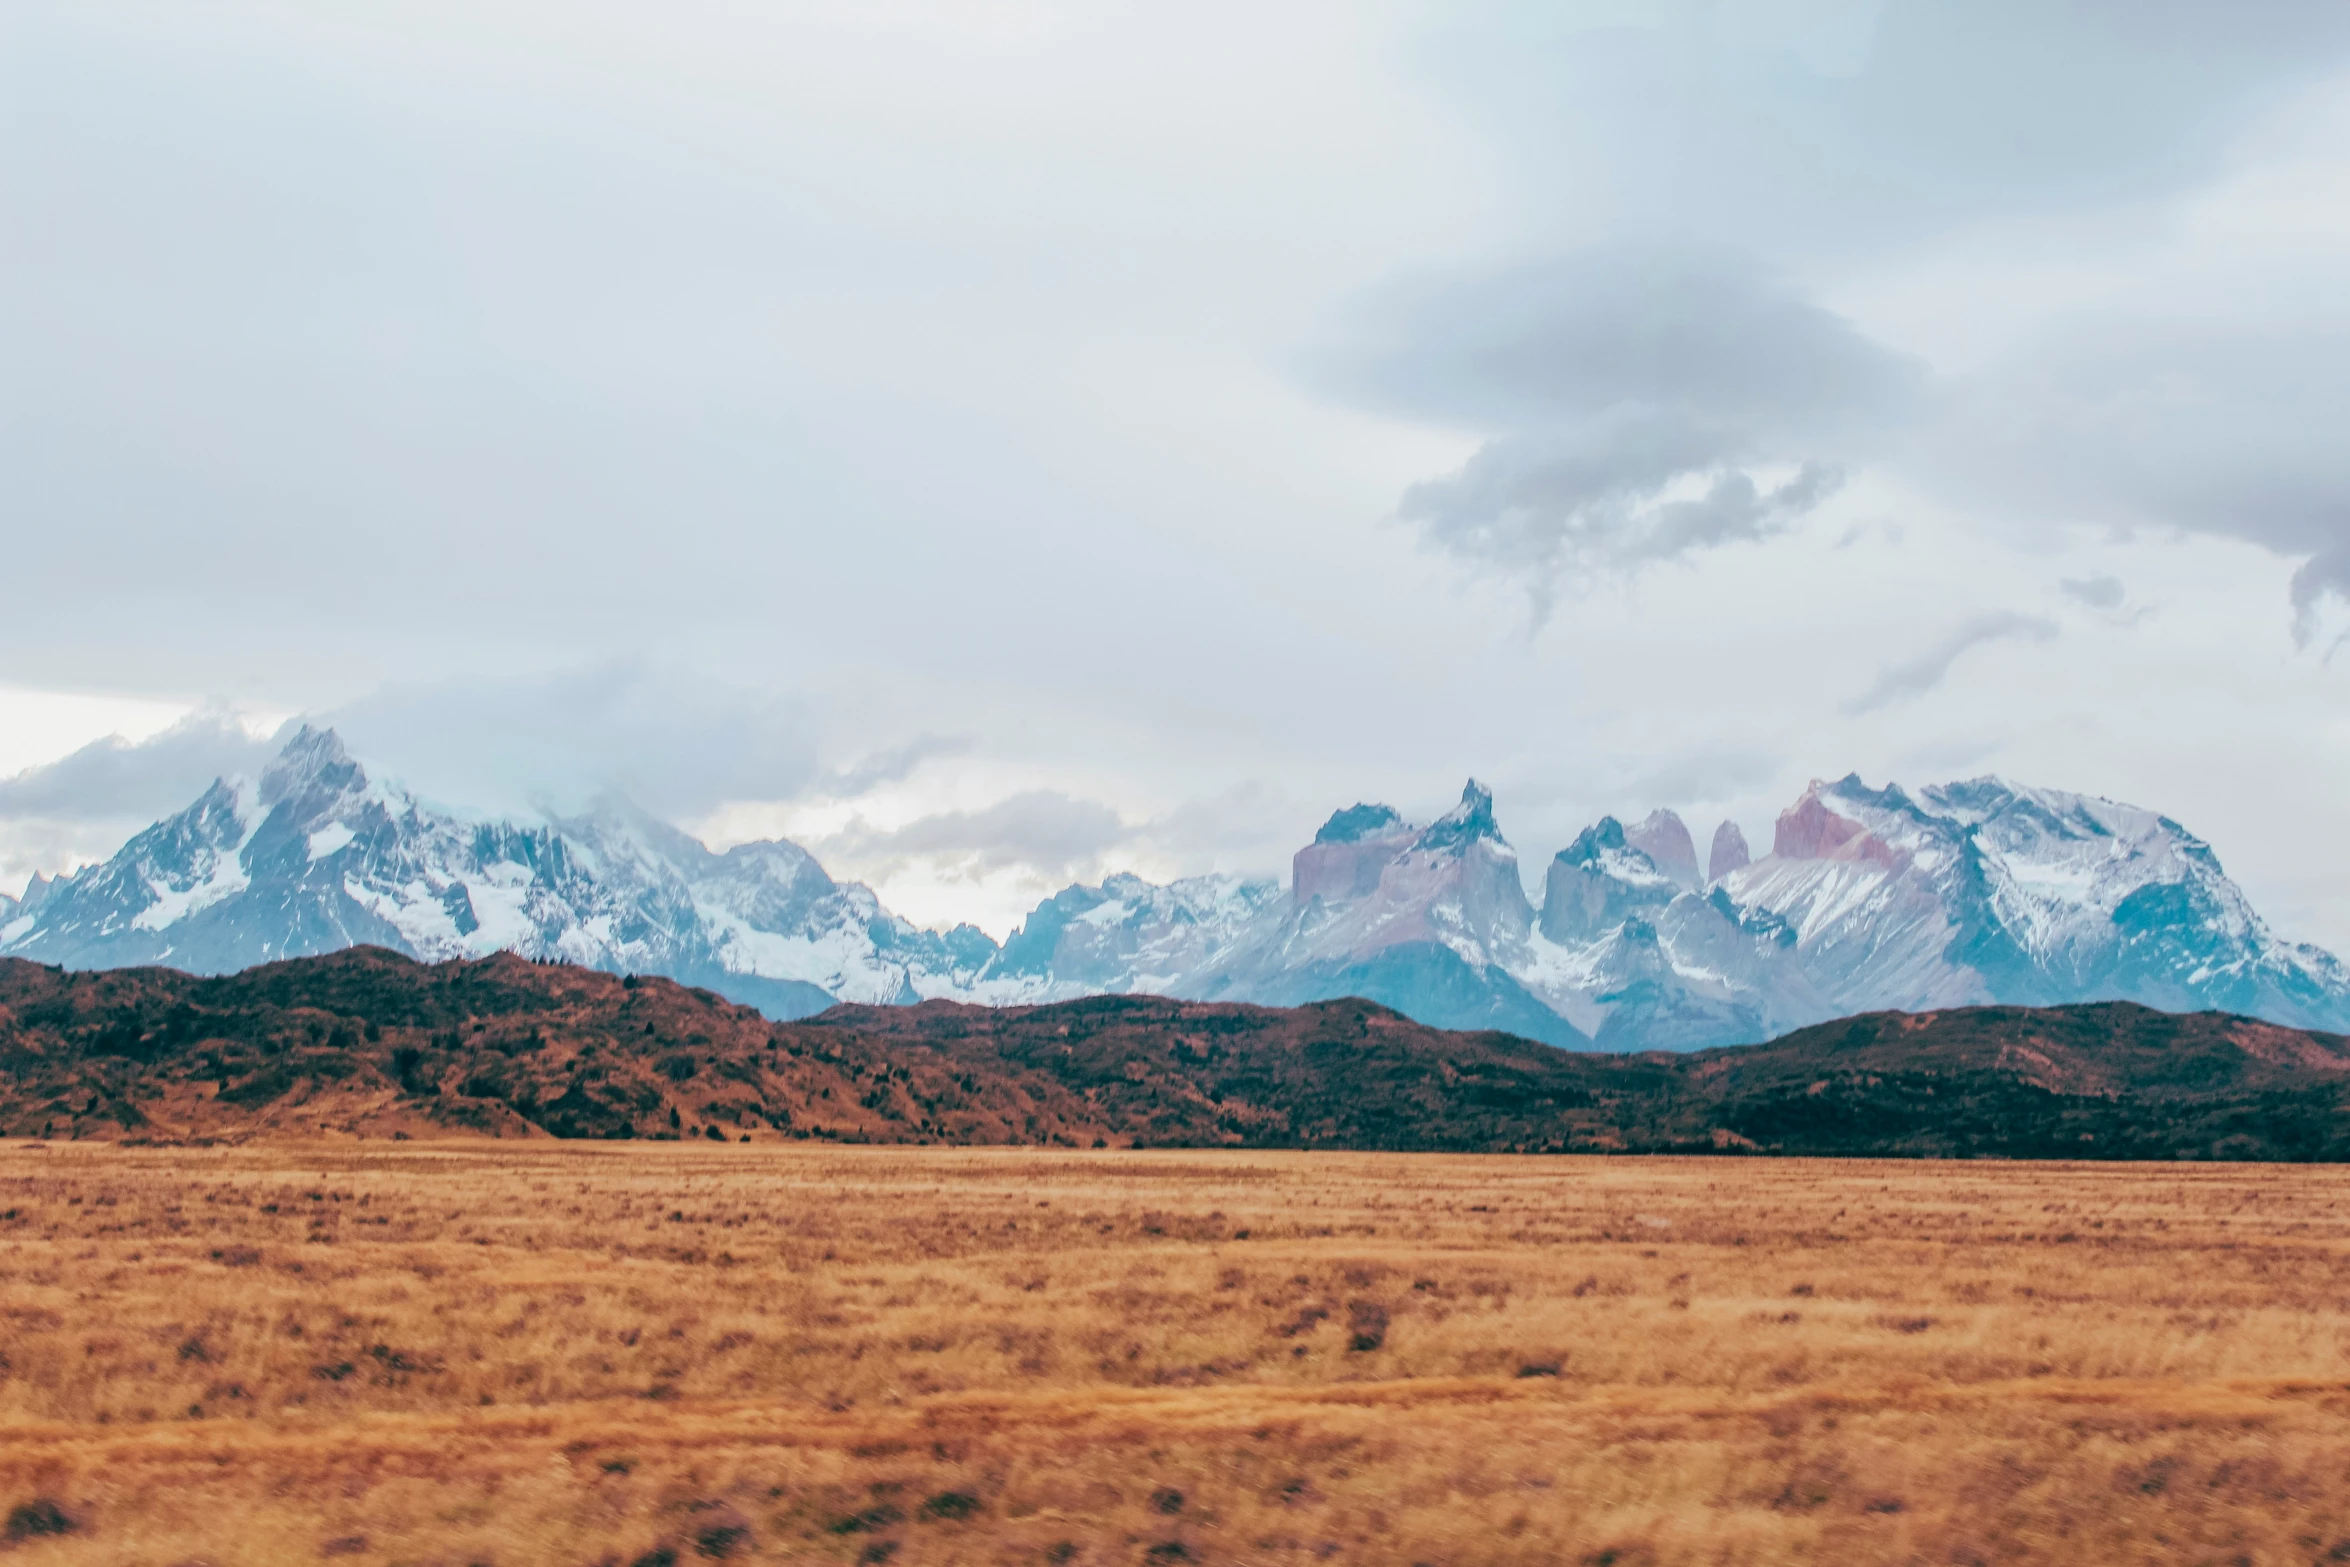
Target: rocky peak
1664,838
1344,860
1598,881
1594,843
313,764
1605,848
1828,823
1729,853
1358,822
1469,822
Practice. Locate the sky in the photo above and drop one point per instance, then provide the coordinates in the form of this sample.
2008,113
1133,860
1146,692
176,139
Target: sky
1000,443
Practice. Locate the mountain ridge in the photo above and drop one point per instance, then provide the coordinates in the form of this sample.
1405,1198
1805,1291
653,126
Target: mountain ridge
369,1043
1977,892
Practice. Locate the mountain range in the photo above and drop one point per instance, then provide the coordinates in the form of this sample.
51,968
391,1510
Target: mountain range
1974,893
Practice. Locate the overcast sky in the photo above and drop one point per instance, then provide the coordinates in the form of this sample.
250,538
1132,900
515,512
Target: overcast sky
998,443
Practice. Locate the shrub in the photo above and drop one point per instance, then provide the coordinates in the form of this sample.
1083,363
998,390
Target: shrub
951,1504
36,1519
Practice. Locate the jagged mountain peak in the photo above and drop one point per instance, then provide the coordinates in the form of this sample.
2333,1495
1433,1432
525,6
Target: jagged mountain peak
1847,820
1978,890
313,763
1358,822
1593,841
1469,822
1597,882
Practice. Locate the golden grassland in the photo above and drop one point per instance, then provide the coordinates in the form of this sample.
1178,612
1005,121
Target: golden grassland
624,1354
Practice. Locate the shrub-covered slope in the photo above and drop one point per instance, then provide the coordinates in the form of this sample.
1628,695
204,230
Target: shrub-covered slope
371,1043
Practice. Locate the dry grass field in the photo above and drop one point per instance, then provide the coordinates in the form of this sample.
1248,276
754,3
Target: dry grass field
665,1354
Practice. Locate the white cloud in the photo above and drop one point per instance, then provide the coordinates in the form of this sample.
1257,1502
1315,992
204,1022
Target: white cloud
82,806
800,382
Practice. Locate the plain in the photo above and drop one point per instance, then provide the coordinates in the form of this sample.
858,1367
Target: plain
666,1353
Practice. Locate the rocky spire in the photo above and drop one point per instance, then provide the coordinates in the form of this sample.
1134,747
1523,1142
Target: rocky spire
1729,852
1465,823
1665,839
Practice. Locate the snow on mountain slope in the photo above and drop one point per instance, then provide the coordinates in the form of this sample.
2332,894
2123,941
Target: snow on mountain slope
1978,891
1987,891
1454,883
318,857
1126,935
1430,920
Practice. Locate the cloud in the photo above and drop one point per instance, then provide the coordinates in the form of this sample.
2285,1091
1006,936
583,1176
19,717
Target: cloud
2325,575
83,806
2223,428
1644,403
889,766
675,743
115,778
1054,836
1845,129
1976,163
1568,507
1908,681
1710,331
2095,592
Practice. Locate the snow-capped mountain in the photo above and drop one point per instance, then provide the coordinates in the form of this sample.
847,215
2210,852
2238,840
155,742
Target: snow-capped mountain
317,856
1432,921
1987,891
1969,893
1981,891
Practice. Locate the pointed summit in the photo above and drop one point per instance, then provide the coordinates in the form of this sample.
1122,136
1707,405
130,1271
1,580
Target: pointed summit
1729,853
313,762
1593,843
1465,823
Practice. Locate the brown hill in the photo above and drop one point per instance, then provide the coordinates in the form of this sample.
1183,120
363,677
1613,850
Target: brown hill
2105,1080
369,1043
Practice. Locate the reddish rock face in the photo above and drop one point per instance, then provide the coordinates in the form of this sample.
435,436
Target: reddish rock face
1810,831
1343,872
1665,839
